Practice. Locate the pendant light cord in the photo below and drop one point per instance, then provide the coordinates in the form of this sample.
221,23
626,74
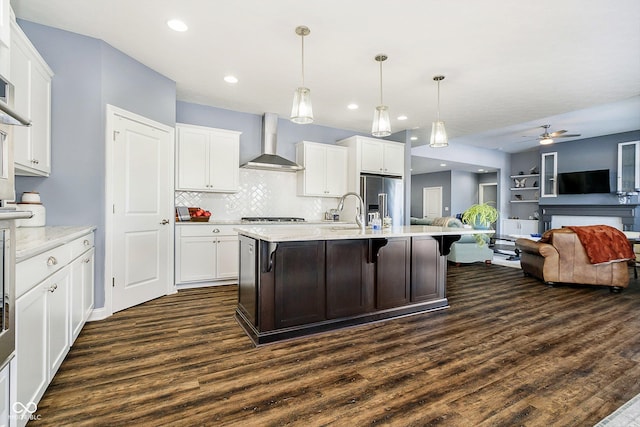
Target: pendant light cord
381,101
302,37
438,100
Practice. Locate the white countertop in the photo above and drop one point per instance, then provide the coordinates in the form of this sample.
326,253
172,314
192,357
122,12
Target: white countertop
252,223
347,231
31,241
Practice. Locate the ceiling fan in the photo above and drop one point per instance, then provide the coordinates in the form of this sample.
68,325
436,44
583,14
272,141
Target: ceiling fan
547,138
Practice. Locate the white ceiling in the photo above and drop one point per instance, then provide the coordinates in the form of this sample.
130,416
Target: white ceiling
510,66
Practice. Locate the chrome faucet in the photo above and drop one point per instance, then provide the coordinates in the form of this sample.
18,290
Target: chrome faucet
359,209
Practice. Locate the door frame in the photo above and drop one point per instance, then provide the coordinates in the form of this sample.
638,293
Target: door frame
424,191
481,187
112,112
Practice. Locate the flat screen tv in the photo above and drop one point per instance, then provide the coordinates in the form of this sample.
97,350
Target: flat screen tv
585,182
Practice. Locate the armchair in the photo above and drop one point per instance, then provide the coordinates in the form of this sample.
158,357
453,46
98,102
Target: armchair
561,257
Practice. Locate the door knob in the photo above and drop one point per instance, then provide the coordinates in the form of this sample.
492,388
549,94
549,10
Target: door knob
165,222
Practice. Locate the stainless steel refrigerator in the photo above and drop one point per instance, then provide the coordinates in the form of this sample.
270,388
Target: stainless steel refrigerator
372,186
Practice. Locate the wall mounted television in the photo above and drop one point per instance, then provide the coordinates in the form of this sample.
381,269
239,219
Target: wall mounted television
585,182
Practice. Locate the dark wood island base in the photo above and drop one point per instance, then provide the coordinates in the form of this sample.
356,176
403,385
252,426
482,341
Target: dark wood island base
289,289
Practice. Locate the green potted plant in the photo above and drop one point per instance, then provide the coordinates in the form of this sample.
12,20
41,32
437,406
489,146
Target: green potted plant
480,217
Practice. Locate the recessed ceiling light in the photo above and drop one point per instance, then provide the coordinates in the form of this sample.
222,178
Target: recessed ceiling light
231,79
443,164
177,25
352,106
414,138
402,117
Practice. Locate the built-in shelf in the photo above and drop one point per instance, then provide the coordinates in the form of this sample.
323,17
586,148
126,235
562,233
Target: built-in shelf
535,175
523,201
524,188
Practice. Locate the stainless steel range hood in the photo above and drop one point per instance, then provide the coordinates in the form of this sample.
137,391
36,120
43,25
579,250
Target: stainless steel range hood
269,160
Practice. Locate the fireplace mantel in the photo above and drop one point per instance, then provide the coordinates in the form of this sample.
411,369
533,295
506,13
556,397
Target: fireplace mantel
626,212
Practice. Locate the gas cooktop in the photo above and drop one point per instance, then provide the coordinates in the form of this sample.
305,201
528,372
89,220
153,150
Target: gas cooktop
272,219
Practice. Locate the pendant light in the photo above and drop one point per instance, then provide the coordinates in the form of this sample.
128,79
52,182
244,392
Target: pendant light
301,111
438,133
381,124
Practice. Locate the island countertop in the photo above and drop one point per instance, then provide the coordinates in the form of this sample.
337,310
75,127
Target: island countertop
345,232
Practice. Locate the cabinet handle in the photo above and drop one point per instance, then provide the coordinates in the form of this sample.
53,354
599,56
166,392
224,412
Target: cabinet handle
53,287
52,261
35,161
216,230
86,242
86,261
164,222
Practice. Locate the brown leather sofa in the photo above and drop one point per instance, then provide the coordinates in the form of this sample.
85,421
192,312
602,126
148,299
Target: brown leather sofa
564,260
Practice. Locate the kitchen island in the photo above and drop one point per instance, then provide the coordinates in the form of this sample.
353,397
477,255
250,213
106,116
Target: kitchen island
299,280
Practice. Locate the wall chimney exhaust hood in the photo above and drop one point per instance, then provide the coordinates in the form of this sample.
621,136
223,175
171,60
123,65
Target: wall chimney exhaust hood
269,160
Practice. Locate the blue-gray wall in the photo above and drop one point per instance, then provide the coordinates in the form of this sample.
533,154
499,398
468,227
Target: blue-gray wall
435,179
88,74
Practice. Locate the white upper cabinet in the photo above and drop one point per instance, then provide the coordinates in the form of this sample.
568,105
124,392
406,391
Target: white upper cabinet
628,179
31,77
549,174
5,26
207,159
375,156
325,169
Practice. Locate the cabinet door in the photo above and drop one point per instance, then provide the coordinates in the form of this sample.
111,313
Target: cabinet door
372,156
336,171
193,160
57,287
299,283
76,297
315,170
224,152
4,395
393,273
393,159
510,226
428,270
31,345
88,271
349,278
227,257
20,71
528,226
197,259
5,32
41,119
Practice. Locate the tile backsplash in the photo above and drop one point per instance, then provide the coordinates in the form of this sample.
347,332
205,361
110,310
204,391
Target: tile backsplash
262,193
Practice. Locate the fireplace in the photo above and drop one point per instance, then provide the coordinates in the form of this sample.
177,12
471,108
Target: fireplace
619,216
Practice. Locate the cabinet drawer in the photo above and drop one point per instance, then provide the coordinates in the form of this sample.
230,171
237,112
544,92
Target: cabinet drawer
207,230
81,245
34,270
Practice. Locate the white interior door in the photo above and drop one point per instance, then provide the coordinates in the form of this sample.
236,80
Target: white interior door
431,202
142,192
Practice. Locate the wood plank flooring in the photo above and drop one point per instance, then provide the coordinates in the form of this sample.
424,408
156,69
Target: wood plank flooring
509,351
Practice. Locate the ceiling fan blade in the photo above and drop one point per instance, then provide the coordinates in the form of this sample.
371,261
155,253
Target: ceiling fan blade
557,133
567,136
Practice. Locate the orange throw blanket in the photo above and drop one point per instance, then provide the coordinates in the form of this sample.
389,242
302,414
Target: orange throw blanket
603,243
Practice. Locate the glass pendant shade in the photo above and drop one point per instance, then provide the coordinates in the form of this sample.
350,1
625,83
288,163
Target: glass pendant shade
546,141
381,123
302,111
438,135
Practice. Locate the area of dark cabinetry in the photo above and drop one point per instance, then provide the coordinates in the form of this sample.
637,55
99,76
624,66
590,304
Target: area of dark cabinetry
427,270
299,283
393,273
349,278
248,279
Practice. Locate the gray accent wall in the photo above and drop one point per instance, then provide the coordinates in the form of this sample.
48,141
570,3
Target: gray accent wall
88,75
435,179
589,154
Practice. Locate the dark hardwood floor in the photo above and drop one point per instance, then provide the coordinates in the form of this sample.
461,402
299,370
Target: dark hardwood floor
509,351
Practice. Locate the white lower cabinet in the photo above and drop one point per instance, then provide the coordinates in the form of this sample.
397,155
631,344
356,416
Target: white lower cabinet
52,305
5,403
206,253
519,226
